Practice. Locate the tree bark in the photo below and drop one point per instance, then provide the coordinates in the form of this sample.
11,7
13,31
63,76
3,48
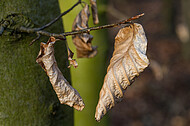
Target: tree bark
26,95
88,77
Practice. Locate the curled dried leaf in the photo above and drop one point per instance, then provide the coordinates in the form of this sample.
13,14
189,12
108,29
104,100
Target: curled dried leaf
129,59
94,11
83,41
71,60
65,92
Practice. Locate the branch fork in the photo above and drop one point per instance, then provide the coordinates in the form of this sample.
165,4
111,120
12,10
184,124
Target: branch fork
41,32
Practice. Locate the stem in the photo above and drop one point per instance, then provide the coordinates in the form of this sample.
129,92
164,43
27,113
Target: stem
38,37
102,27
62,35
40,32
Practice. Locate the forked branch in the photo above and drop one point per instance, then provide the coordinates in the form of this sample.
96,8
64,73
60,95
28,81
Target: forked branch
63,35
41,32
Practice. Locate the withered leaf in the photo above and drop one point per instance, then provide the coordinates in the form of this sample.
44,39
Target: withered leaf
129,59
71,60
65,92
83,41
94,11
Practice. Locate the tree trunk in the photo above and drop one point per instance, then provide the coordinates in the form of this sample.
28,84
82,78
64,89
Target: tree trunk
88,77
26,95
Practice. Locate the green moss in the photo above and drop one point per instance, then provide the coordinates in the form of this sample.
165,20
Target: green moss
25,91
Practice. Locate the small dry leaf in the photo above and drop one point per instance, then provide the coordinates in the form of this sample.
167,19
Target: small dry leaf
129,59
71,60
83,41
65,92
94,11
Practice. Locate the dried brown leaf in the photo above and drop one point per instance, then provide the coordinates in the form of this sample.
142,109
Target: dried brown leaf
83,41
71,60
65,92
94,11
129,59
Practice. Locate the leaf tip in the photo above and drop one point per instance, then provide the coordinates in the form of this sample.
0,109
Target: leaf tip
79,107
142,14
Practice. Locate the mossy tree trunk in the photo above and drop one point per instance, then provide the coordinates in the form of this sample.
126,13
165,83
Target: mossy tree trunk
88,77
26,95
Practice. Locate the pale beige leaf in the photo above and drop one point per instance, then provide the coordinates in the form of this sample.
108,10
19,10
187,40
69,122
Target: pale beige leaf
94,11
129,59
65,92
83,41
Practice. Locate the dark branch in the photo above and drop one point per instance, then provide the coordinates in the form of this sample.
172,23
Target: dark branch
38,37
58,17
41,32
103,27
62,35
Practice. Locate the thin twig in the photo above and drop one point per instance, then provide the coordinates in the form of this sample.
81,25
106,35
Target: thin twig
38,37
41,32
63,35
103,27
58,17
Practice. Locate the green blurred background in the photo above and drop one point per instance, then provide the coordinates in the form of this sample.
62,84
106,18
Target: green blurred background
88,77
